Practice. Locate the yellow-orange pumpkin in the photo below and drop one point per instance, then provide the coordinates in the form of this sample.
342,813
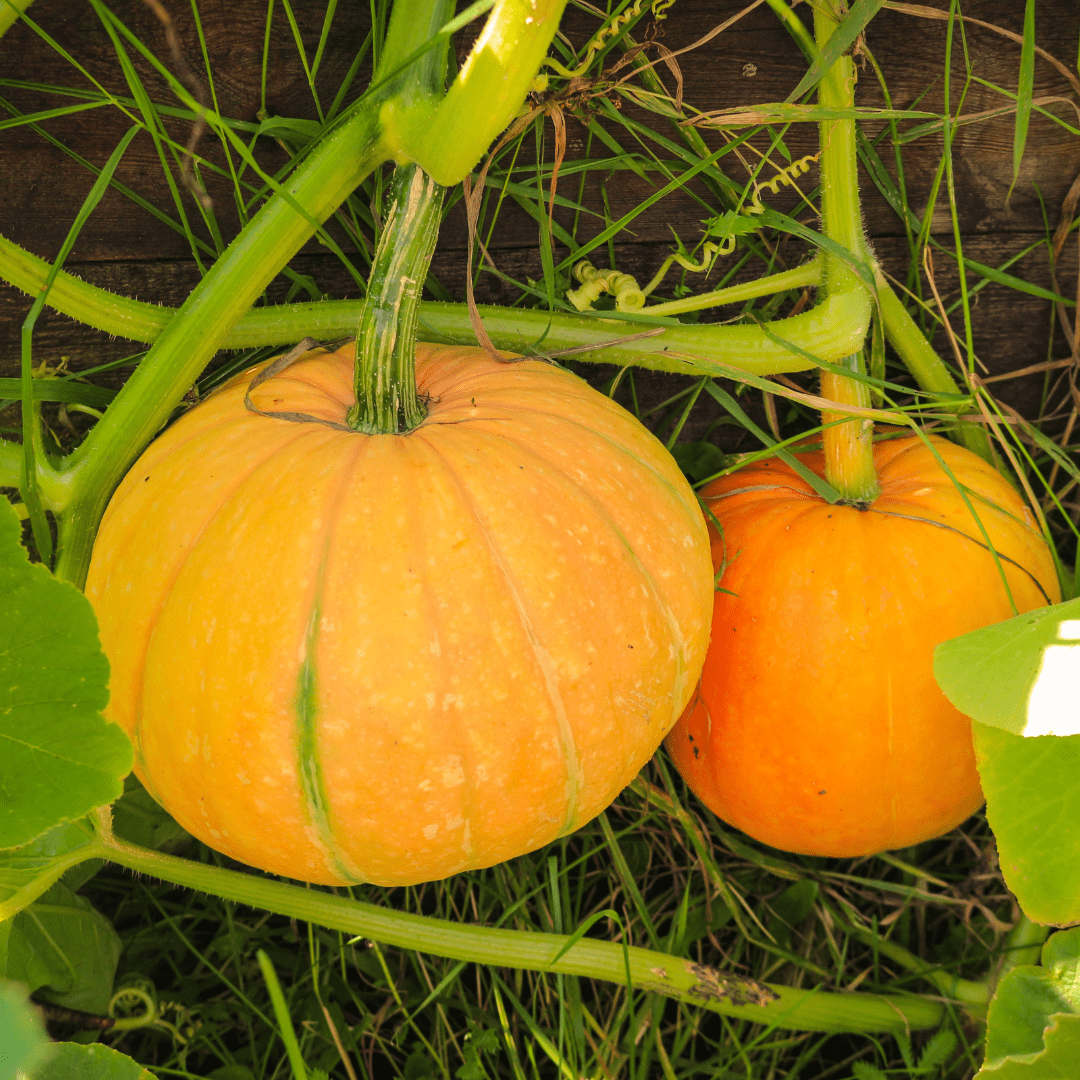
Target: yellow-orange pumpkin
818,727
390,658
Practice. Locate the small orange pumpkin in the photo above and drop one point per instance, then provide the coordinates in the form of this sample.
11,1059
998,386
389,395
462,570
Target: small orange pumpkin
389,658
818,727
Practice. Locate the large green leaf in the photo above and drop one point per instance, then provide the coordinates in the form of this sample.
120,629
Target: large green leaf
1020,681
1022,675
57,946
74,1061
1032,788
63,950
59,758
1033,1024
23,1044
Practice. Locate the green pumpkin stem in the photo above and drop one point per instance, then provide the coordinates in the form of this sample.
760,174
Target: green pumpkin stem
387,402
849,455
849,446
385,379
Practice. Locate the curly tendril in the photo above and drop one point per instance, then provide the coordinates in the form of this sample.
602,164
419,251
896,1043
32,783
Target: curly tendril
140,994
624,287
606,32
784,176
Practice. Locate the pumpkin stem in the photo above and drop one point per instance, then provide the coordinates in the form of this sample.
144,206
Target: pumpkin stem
849,452
385,382
849,442
385,377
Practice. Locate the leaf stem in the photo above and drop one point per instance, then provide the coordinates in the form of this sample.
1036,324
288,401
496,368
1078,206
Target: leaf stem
57,866
799,277
927,368
974,996
656,972
1023,945
831,330
384,382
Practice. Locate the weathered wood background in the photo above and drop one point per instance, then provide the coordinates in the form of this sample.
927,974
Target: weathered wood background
126,249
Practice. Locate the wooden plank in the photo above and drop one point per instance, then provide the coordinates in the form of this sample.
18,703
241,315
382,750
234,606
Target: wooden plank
131,251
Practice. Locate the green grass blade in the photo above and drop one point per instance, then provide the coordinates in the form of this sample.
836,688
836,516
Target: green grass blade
818,483
60,390
281,1014
49,114
1001,278
1024,92
862,11
28,485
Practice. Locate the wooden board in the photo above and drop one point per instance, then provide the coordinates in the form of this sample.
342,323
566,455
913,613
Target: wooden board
129,250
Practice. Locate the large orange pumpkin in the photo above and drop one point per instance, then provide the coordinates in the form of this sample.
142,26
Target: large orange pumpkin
818,727
389,658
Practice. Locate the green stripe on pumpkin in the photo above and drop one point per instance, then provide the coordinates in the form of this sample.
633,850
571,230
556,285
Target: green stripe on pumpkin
309,768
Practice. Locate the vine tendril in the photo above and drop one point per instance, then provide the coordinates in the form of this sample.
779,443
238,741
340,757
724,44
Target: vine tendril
141,994
624,287
606,33
784,176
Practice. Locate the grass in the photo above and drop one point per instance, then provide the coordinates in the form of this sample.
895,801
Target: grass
637,874
656,869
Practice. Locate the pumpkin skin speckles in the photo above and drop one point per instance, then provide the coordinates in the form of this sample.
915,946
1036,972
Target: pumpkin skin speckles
818,727
391,658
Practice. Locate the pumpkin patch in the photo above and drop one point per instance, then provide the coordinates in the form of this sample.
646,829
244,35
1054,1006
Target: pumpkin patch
389,658
399,623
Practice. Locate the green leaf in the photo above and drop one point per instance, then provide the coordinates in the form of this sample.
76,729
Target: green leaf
796,902
862,11
232,1072
1022,675
59,758
1032,788
73,1061
699,459
938,1050
818,483
140,820
1033,1023
728,224
290,130
23,1043
792,907
62,950
1020,681
860,1070
698,923
418,1066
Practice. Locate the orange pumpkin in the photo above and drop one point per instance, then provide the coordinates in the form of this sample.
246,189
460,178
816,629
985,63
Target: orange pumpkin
389,658
818,727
